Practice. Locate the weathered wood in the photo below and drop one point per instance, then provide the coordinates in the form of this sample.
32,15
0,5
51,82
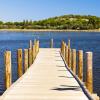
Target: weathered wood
89,72
80,64
37,46
61,47
25,60
64,47
69,57
33,52
68,43
66,54
20,70
30,43
34,41
74,61
8,73
30,57
51,43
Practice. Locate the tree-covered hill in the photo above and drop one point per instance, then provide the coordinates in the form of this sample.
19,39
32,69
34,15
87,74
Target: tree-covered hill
76,22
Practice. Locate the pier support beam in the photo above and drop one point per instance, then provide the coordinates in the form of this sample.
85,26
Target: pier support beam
51,43
8,73
30,57
30,44
80,64
25,59
20,65
89,73
74,61
66,54
69,57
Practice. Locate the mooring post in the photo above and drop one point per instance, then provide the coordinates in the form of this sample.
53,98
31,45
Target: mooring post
80,64
34,41
25,60
38,45
74,61
64,50
30,44
33,53
51,43
35,46
68,43
89,72
8,73
30,57
69,57
66,54
61,47
20,71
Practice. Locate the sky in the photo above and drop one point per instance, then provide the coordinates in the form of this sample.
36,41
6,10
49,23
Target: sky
19,10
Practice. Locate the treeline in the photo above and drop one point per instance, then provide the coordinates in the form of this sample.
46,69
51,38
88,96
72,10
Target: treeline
76,22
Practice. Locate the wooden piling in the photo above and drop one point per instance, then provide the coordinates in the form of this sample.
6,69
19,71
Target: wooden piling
69,57
33,52
25,60
61,47
35,45
20,70
89,72
68,43
30,43
80,64
64,48
34,41
74,61
38,45
30,57
8,73
51,43
66,54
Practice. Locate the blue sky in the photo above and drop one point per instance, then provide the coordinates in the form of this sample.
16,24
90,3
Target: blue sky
17,10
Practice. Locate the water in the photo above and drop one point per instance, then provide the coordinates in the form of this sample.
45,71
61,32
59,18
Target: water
79,40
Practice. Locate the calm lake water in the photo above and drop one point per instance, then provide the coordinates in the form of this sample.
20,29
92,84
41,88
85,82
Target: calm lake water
79,40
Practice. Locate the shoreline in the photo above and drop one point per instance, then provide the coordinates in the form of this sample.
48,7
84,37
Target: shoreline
46,30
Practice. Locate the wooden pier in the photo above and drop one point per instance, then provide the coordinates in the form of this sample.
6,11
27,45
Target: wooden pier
50,77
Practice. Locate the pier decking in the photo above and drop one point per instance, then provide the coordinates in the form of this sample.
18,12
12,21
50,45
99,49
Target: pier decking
46,79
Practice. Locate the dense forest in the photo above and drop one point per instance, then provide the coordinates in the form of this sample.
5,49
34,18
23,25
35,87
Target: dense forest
76,22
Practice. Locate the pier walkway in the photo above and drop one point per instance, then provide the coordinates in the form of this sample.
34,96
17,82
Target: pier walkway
46,79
